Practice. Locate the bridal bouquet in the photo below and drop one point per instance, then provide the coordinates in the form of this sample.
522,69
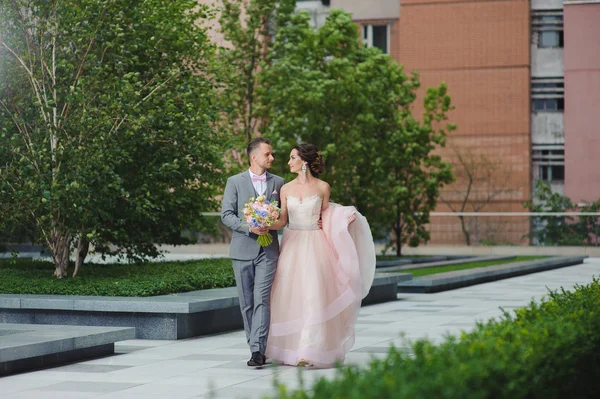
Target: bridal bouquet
260,212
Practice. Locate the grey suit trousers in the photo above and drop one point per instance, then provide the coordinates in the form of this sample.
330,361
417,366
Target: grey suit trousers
254,279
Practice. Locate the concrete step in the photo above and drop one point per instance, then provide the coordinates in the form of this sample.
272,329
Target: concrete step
31,346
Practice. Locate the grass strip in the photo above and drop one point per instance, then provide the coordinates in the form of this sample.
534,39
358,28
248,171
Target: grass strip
425,271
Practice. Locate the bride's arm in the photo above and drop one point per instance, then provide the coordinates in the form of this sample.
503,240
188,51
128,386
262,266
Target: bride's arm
326,196
283,217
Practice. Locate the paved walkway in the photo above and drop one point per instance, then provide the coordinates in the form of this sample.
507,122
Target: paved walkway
193,368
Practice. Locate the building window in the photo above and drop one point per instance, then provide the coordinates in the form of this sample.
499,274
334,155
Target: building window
547,28
550,162
377,36
547,94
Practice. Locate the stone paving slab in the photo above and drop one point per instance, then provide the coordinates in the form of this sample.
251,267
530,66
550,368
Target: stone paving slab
214,366
462,278
23,347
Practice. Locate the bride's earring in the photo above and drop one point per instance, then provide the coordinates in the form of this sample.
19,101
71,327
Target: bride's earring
304,169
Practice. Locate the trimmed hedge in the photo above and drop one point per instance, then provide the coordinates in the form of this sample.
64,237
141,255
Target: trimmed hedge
546,350
138,279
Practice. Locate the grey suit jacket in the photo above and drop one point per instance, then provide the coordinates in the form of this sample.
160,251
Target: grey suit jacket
238,191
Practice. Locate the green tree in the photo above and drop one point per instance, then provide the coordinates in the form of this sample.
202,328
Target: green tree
561,230
324,87
247,28
105,115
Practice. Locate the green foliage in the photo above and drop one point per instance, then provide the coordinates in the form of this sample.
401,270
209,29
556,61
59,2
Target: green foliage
546,350
105,115
138,279
561,230
324,87
248,28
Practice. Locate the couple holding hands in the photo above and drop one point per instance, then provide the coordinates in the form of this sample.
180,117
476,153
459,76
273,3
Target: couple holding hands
299,300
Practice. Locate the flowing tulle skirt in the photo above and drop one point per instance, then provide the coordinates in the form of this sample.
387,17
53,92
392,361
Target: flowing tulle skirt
316,294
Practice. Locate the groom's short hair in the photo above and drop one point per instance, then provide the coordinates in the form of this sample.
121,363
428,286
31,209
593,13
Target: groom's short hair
254,145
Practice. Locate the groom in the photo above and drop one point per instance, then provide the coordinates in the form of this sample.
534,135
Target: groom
254,266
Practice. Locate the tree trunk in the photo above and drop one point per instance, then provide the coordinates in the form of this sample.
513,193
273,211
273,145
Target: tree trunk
60,245
83,246
398,231
464,230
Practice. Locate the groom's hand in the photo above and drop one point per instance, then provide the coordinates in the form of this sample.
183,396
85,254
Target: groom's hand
259,231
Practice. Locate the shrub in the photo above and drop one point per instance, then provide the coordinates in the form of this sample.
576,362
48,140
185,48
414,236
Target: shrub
138,279
546,350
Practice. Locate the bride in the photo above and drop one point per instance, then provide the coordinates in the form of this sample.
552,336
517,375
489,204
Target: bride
322,274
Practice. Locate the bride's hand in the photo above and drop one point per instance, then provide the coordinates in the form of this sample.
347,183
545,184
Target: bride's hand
351,218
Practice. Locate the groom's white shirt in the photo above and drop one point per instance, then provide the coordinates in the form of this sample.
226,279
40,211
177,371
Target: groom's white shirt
259,186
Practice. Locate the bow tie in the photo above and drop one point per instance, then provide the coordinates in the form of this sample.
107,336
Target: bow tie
262,178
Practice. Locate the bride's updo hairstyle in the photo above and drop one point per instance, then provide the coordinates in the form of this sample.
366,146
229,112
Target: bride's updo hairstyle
311,155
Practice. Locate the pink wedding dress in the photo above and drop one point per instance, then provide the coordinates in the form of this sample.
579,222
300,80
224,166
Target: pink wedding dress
321,277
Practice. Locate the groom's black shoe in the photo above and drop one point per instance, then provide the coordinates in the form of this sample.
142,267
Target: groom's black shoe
257,360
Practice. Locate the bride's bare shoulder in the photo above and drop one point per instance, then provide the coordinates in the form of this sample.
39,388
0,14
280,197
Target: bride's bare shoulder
287,186
323,185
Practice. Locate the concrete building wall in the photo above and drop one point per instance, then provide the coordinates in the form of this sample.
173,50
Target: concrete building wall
546,4
317,11
547,128
547,67
547,62
371,9
582,100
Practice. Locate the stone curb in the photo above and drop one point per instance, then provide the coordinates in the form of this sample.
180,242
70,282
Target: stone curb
385,264
170,317
463,278
25,347
447,262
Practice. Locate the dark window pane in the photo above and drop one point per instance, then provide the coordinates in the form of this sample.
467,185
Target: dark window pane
551,104
538,105
560,104
547,85
550,18
558,172
561,39
365,32
380,39
549,39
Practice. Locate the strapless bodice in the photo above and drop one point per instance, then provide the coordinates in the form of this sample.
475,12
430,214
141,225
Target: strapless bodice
304,213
